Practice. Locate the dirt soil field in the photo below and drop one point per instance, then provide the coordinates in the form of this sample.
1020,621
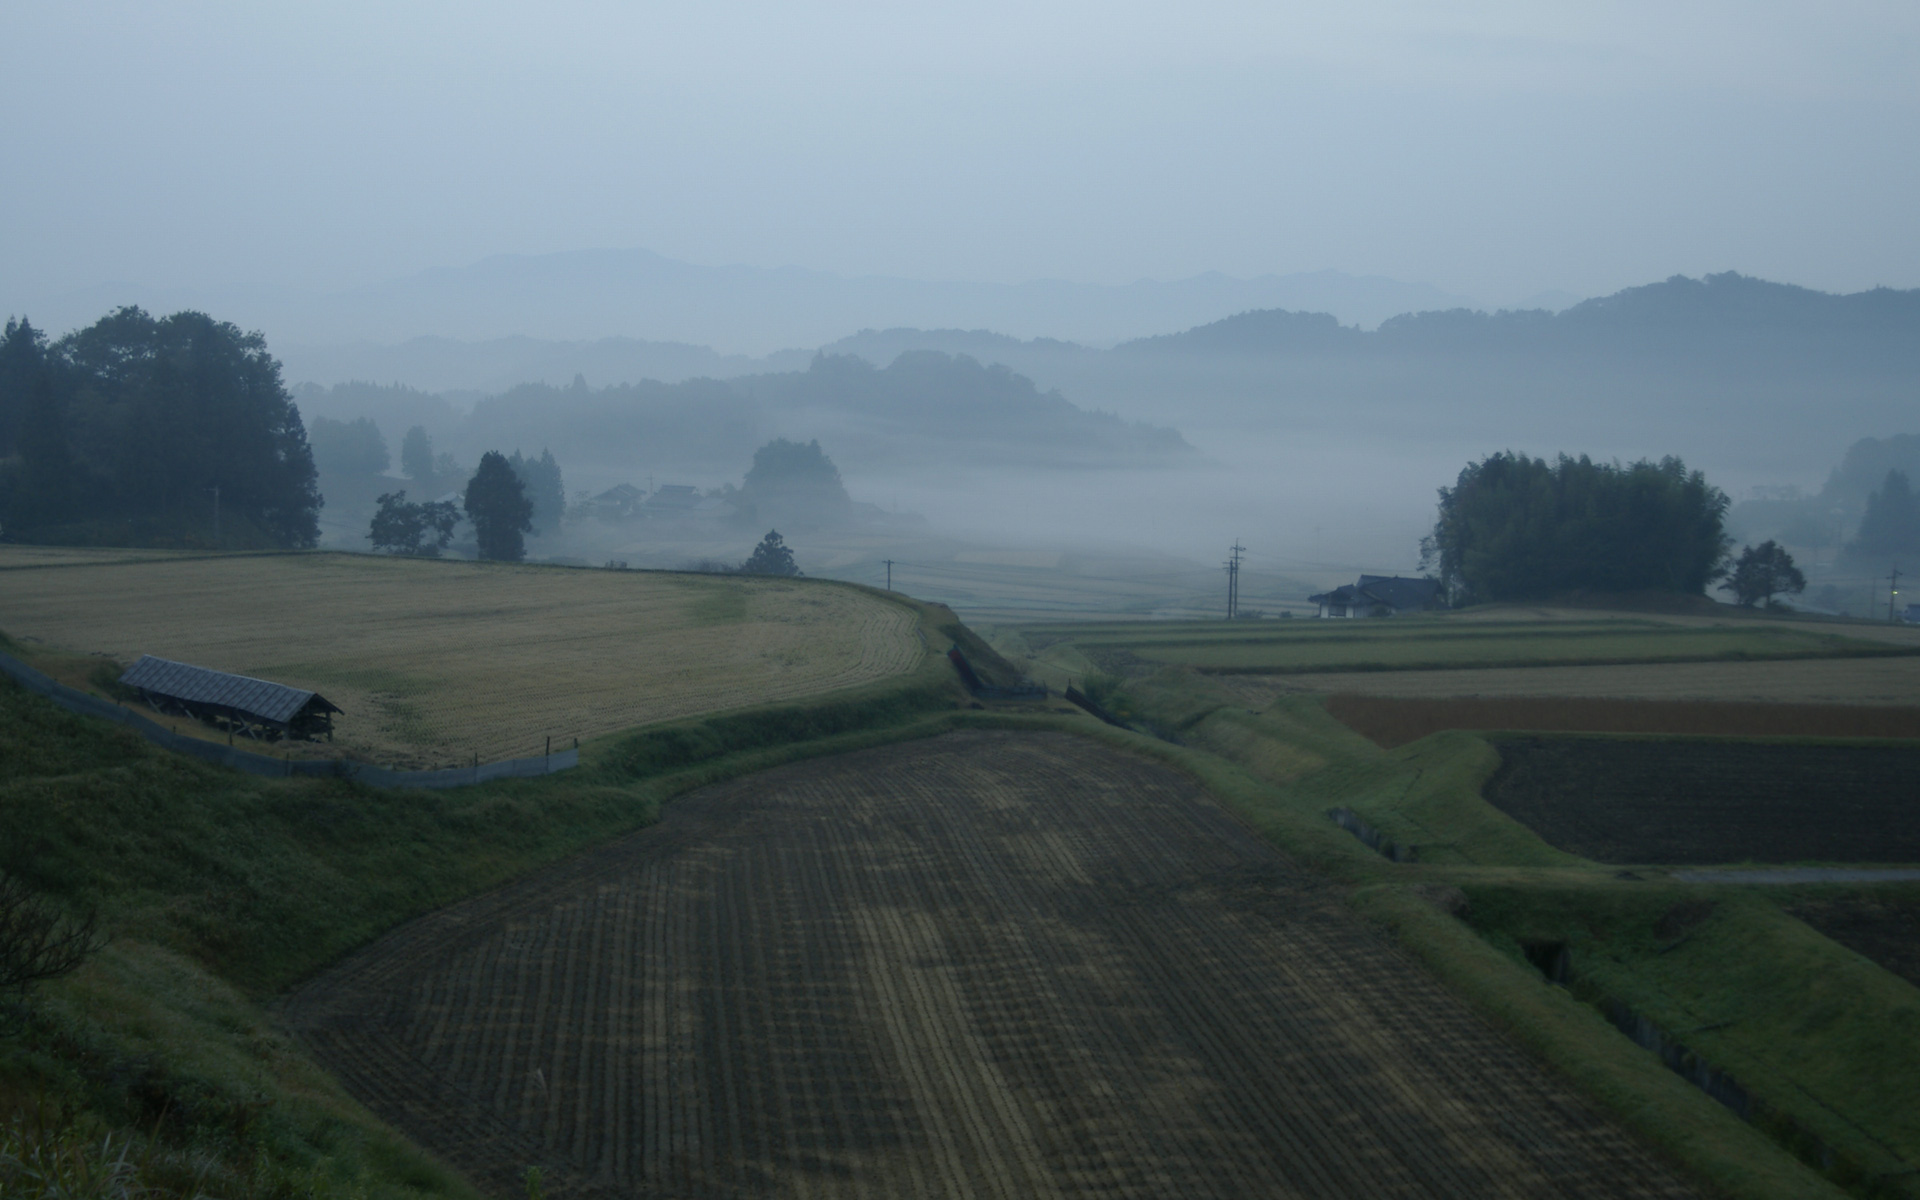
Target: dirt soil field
1870,681
438,661
1617,800
1394,721
989,964
1882,924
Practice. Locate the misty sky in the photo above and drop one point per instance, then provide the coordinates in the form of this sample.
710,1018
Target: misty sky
1492,149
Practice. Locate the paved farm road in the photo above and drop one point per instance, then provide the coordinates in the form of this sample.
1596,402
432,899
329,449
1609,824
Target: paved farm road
986,965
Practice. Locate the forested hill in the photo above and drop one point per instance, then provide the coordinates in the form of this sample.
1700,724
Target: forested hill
925,406
1708,319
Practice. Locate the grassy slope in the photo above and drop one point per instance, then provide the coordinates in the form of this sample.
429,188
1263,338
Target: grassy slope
1809,1027
219,890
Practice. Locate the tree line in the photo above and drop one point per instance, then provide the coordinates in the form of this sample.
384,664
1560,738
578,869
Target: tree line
1518,528
138,430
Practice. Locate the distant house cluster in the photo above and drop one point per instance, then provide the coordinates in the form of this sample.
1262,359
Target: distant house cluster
1378,596
625,502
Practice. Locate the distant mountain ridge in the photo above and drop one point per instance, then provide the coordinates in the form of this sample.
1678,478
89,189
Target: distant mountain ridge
1678,314
1710,316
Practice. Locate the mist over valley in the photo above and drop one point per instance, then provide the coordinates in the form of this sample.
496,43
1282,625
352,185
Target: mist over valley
1318,443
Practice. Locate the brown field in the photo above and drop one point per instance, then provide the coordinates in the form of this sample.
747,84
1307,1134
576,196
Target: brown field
1394,721
1870,681
990,964
435,662
1674,801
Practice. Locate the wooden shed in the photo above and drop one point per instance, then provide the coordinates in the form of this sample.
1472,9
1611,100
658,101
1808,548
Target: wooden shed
254,707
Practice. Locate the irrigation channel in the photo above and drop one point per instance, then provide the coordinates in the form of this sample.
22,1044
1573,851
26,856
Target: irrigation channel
982,965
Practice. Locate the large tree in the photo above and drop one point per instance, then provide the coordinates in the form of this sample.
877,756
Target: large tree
1763,572
794,483
497,504
1519,528
413,530
139,429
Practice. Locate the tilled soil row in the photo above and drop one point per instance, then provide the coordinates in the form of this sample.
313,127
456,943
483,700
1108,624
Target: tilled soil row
1684,802
985,965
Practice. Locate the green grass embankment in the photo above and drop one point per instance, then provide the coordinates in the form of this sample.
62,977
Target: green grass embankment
219,890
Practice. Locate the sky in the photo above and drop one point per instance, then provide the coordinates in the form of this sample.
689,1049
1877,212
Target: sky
1489,148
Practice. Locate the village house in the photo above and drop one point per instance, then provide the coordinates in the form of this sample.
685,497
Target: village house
1378,596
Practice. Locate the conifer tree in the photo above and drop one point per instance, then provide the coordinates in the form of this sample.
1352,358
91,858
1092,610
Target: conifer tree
497,504
770,557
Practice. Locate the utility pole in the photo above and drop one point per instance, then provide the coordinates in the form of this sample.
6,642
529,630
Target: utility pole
1233,580
889,563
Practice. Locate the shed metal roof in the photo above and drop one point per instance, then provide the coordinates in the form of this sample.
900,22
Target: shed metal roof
274,702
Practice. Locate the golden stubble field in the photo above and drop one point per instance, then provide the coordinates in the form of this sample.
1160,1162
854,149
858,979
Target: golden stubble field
436,662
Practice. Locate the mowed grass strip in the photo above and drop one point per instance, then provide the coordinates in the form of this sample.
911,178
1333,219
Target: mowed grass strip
438,662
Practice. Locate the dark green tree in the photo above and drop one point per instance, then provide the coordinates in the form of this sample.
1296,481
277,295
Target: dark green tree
1519,528
23,363
413,530
1762,572
32,431
416,455
794,482
770,557
135,423
1890,529
497,504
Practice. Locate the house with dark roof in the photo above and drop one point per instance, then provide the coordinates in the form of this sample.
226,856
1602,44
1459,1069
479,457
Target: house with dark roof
673,498
617,502
252,707
1378,596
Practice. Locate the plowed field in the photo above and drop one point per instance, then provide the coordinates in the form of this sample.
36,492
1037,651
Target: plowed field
1889,682
1623,800
991,964
1394,721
